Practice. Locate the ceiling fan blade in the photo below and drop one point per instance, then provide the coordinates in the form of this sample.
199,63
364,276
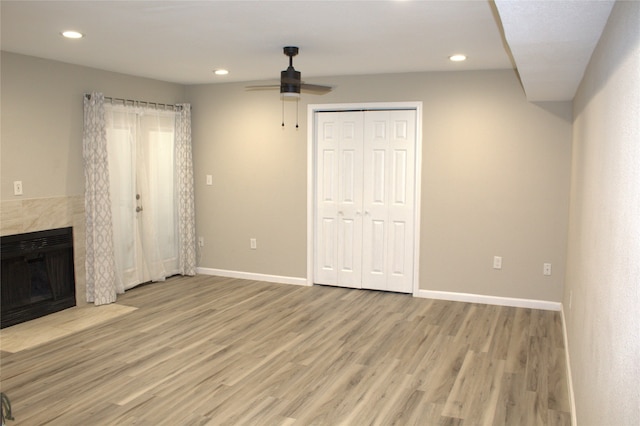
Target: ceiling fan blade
315,88
263,87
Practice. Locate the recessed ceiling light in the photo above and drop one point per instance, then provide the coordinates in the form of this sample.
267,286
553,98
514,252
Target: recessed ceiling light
72,34
457,58
220,71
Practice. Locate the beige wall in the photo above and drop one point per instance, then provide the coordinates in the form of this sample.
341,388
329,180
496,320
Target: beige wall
41,132
602,294
495,179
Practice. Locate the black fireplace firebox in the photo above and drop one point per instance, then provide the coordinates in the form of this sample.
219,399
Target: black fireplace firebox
37,275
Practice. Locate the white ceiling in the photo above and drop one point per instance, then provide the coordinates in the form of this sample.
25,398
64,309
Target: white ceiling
552,42
183,41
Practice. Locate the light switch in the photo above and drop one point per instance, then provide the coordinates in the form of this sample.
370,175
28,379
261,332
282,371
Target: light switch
209,180
497,262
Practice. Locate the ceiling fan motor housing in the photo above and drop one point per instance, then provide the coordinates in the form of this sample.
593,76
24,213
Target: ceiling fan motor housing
290,81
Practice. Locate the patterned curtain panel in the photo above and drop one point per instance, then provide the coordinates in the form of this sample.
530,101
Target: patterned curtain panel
100,261
186,198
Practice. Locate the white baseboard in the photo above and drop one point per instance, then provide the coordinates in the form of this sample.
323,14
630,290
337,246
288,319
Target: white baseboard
252,276
572,398
426,294
489,300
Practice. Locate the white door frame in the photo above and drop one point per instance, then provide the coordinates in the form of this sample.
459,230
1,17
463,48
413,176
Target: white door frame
311,174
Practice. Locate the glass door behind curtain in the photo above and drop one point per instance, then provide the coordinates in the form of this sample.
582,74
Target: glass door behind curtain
140,146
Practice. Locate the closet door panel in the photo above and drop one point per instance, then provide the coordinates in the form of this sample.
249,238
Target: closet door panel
375,200
338,247
389,152
326,229
349,208
401,210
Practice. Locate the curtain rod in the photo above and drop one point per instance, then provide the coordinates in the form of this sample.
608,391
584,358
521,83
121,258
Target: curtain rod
155,105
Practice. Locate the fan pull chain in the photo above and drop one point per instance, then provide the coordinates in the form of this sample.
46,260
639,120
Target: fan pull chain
297,112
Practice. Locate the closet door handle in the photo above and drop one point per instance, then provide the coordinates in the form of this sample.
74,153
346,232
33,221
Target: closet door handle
341,213
138,209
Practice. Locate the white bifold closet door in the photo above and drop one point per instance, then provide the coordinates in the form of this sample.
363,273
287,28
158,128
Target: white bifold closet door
365,199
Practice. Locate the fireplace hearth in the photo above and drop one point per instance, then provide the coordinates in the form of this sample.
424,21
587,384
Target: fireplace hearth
37,275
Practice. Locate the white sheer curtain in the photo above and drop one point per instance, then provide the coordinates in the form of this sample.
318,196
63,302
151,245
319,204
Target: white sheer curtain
156,179
141,153
147,168
121,137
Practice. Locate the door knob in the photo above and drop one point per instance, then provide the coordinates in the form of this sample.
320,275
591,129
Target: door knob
138,209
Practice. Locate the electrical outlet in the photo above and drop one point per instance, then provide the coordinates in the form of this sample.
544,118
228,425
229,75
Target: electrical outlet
253,243
201,241
497,262
546,269
17,187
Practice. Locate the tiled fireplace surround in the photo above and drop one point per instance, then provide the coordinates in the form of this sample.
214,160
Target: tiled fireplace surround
39,214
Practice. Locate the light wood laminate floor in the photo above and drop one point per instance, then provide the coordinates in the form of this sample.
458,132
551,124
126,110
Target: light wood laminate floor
209,350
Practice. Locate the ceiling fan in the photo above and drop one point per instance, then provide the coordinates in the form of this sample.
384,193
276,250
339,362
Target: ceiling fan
290,79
